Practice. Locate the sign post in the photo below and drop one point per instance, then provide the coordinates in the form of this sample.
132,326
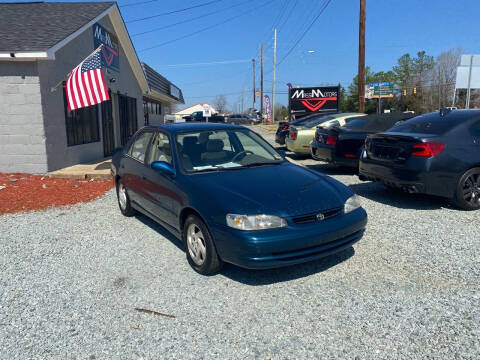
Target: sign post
206,111
380,90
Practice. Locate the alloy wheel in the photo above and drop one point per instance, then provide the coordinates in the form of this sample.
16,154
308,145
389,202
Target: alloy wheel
122,196
196,244
471,189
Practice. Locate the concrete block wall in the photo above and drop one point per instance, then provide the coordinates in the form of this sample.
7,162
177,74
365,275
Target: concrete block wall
22,135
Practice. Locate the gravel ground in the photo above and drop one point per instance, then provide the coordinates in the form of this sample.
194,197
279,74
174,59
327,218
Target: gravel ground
71,279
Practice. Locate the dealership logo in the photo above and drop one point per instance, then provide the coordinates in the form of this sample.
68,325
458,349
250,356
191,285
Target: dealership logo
315,98
110,46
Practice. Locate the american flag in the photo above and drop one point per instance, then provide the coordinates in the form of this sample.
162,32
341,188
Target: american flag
85,84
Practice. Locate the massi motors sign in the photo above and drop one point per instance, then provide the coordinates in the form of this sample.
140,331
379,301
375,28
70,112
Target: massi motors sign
110,48
305,101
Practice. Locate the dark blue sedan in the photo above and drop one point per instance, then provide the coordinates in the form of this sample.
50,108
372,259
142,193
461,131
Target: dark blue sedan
231,197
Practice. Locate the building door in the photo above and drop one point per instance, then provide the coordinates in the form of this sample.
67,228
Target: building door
127,111
107,128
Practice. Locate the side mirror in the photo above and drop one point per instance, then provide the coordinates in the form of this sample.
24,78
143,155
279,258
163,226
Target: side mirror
163,167
282,153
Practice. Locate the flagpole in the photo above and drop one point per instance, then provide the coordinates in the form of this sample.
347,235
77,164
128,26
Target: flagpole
54,88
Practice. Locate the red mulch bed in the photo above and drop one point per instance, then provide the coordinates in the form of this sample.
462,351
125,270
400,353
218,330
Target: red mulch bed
26,192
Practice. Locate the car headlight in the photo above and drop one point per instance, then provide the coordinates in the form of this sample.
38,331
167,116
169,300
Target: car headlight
255,222
352,203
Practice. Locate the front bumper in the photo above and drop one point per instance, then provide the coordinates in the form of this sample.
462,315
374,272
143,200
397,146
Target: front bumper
294,244
327,153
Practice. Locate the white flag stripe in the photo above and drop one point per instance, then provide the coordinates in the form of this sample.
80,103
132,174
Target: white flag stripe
100,84
88,88
74,87
94,86
80,85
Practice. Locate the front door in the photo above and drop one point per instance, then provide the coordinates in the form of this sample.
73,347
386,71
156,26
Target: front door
127,111
160,188
107,128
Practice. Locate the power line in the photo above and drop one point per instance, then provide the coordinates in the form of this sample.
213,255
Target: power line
173,11
189,20
205,28
225,62
305,32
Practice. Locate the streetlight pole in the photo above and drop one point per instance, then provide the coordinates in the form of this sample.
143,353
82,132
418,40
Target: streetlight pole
274,65
361,59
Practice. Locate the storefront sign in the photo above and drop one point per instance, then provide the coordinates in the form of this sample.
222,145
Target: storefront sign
174,91
304,101
110,48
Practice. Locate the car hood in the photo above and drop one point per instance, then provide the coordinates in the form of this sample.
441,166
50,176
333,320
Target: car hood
283,190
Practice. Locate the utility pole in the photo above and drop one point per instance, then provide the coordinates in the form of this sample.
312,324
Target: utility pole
361,59
274,65
261,81
253,63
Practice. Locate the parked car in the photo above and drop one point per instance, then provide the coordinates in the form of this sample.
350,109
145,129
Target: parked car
436,153
195,179
299,137
198,116
241,119
343,145
284,127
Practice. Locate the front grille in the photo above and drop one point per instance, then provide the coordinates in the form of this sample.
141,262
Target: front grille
305,219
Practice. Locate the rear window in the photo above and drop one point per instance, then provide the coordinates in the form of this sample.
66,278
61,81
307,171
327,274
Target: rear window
428,124
316,121
356,123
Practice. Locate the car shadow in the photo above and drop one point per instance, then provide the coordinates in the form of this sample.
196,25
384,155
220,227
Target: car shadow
288,273
396,198
330,169
161,230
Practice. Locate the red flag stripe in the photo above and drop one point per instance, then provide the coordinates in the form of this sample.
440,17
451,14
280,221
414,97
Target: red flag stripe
94,87
81,90
88,87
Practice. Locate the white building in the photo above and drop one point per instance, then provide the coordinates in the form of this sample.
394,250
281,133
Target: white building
193,108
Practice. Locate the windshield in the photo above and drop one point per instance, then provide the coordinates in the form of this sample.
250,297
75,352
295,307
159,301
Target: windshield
214,150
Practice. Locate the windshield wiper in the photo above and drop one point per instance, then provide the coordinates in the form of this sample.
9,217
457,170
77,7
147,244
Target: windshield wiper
259,163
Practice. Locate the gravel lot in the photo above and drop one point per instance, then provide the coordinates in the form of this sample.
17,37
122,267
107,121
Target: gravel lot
71,279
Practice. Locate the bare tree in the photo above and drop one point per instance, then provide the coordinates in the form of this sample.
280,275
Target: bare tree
220,103
444,77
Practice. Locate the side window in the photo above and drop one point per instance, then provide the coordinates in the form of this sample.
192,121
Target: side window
475,129
139,146
160,149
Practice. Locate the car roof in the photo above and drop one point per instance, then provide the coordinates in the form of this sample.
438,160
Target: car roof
193,126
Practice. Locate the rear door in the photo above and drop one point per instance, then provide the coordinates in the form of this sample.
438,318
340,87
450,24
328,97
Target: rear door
133,167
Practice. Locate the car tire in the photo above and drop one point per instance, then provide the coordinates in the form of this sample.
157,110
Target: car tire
200,248
124,200
467,193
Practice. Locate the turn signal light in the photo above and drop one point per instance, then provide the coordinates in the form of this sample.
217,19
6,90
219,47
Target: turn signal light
428,149
293,136
331,140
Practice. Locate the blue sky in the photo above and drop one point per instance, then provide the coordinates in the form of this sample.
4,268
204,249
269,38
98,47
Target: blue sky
394,27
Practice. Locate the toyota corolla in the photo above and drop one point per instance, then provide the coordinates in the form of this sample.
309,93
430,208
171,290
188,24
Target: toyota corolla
221,189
